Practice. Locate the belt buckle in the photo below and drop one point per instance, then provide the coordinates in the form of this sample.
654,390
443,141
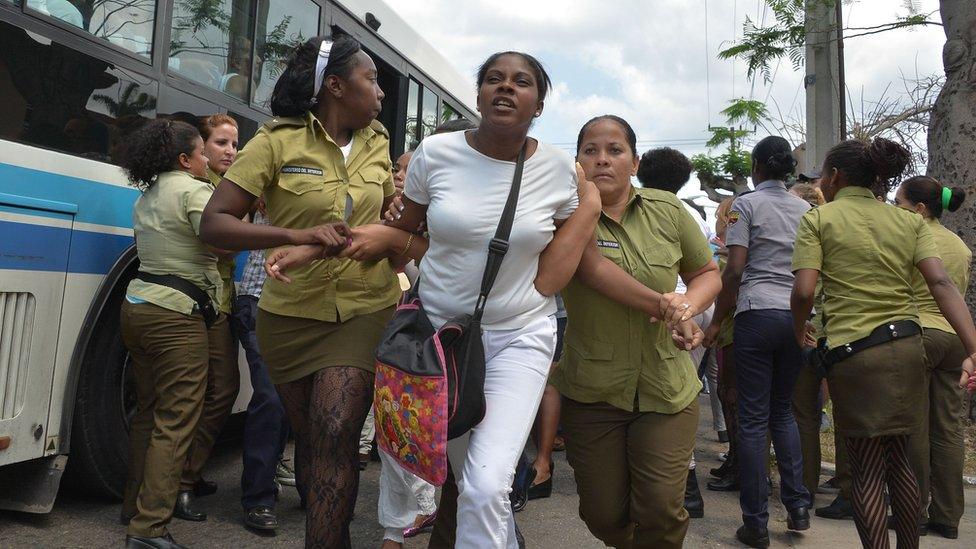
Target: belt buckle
848,349
894,332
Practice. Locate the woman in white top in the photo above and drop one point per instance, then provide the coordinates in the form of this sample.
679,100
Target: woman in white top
458,183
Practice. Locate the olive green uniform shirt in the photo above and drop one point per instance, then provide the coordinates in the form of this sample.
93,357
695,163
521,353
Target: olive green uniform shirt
614,354
956,258
224,265
166,223
866,252
304,178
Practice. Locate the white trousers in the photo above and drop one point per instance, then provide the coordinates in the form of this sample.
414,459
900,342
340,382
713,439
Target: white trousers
516,367
367,434
403,496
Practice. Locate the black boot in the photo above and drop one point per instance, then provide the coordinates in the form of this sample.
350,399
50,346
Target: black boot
694,503
204,488
162,542
261,518
798,520
753,537
839,509
728,483
184,508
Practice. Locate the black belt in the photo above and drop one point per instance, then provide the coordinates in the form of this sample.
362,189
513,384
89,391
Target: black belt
882,334
188,289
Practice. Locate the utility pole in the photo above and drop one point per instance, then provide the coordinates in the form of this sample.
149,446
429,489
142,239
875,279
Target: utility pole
841,76
821,82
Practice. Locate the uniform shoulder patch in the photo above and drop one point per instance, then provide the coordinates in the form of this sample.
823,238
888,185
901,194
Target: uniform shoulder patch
379,128
283,121
733,218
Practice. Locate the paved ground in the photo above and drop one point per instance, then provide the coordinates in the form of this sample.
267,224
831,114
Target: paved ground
78,521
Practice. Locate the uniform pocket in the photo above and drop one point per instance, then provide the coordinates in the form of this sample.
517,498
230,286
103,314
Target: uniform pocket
673,373
375,175
301,183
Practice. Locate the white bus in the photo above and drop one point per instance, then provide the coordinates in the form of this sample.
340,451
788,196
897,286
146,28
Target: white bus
76,77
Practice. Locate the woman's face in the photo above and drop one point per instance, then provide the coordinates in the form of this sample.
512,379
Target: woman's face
221,148
400,170
196,162
361,98
829,181
903,202
509,97
607,158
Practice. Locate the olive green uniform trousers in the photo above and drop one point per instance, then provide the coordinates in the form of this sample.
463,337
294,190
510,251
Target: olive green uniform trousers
171,355
223,384
937,449
806,410
631,469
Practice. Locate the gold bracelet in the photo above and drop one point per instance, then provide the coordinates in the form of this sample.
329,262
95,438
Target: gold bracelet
409,243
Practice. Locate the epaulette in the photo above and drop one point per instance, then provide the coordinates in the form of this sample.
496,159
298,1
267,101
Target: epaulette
379,128
279,121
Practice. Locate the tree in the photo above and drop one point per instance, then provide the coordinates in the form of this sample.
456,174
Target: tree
952,131
730,170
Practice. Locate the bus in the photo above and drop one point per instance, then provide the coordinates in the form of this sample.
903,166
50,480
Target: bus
77,77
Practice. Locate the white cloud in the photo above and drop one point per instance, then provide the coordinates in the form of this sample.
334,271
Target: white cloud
648,62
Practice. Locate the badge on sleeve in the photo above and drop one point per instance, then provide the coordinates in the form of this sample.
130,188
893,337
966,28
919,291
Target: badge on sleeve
733,217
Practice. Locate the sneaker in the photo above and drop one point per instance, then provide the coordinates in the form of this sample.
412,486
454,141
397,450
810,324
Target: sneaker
284,474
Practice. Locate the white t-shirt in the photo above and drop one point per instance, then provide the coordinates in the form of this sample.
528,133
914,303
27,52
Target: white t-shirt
465,192
709,235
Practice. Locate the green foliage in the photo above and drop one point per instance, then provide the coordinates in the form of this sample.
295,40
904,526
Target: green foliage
742,111
130,102
736,163
722,135
705,165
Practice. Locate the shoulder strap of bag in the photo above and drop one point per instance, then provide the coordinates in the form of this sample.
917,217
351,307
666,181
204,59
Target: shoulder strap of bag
499,244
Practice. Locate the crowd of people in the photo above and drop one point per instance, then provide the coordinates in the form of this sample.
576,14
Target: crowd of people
612,305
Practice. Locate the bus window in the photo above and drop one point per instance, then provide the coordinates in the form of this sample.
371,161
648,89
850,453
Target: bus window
125,23
213,46
413,115
56,97
429,113
281,25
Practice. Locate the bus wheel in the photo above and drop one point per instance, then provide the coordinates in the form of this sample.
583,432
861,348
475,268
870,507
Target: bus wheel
104,405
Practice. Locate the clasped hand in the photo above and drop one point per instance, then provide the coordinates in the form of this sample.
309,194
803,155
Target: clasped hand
363,243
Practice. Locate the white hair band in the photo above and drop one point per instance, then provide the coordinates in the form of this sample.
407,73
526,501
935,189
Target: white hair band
325,50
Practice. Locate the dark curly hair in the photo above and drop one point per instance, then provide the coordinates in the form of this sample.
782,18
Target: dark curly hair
542,81
927,190
773,158
628,130
155,148
869,164
292,95
666,169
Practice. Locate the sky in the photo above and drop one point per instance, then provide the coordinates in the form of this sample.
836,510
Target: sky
654,62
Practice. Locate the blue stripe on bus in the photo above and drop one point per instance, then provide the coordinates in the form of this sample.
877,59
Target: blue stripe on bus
98,203
27,247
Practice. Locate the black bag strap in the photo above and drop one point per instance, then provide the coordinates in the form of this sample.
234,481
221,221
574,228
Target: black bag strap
187,288
499,244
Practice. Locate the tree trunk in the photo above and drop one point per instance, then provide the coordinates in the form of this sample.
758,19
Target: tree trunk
952,130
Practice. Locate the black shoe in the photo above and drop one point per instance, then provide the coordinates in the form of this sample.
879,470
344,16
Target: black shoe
723,470
944,530
798,520
830,486
839,509
723,436
184,508
544,488
261,518
728,483
204,488
520,488
162,542
694,503
753,537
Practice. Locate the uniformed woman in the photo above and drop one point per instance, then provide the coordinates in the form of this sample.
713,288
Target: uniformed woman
866,253
938,447
322,161
630,408
219,134
165,318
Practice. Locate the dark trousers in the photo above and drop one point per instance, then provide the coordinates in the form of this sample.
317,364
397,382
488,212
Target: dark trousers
266,427
767,361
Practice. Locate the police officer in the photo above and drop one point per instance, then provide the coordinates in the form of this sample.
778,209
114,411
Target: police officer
938,447
630,408
323,160
169,324
758,278
866,252
219,134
